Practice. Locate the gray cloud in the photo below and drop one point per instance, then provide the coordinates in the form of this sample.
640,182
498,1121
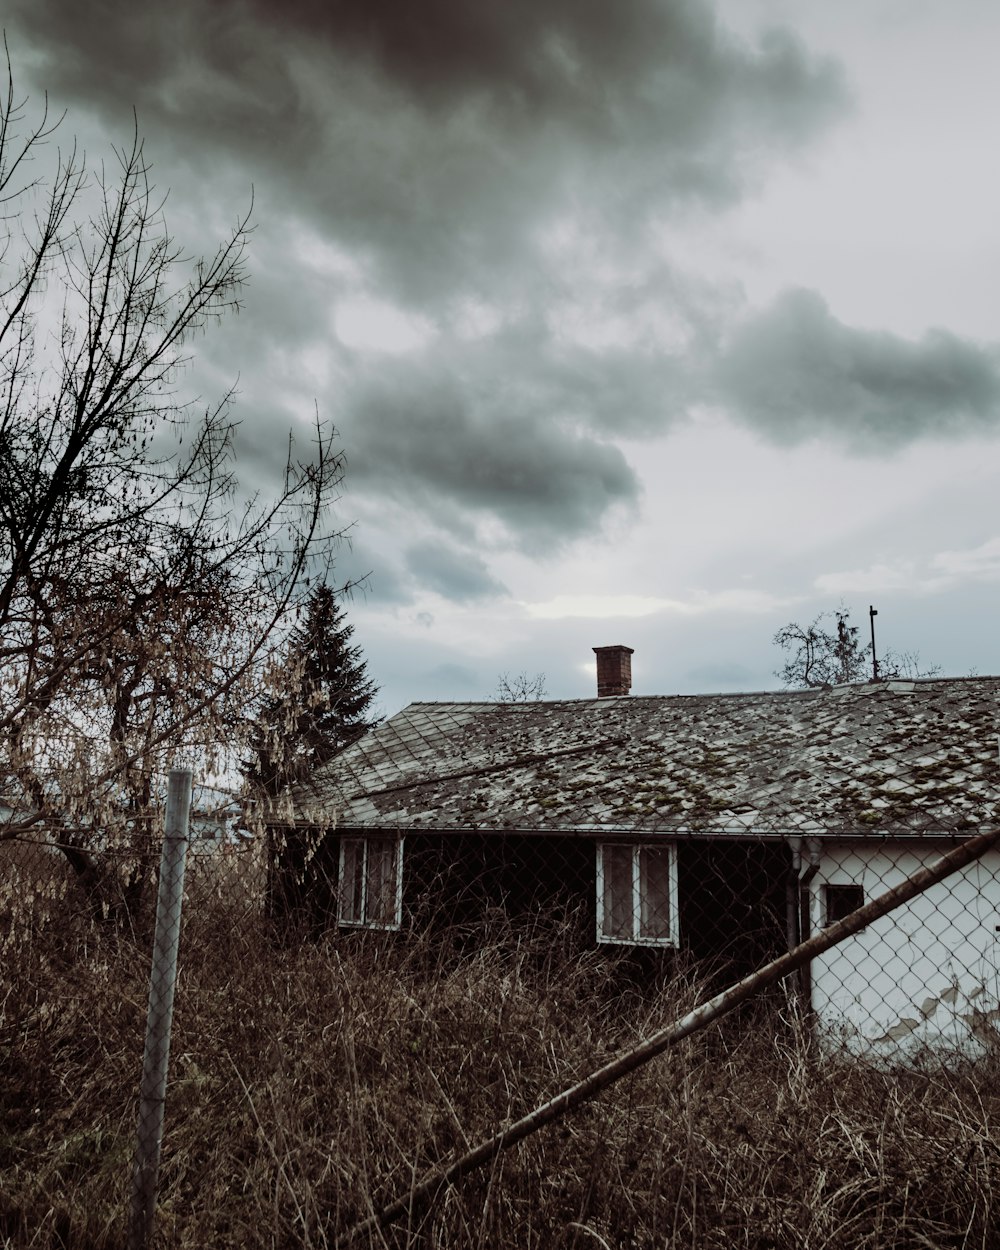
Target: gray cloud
442,681
455,574
539,362
518,423
370,572
719,675
420,437
794,372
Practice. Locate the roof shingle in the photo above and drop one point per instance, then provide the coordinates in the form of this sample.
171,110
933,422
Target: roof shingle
887,759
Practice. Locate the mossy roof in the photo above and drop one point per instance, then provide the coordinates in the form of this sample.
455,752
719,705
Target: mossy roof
884,760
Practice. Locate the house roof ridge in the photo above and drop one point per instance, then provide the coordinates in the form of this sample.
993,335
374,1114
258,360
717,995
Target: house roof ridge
883,683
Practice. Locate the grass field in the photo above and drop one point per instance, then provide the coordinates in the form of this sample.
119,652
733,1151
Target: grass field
312,1080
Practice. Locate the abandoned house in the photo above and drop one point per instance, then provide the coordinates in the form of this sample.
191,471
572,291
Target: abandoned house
725,827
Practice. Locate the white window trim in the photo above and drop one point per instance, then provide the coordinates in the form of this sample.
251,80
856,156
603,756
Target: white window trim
365,923
674,939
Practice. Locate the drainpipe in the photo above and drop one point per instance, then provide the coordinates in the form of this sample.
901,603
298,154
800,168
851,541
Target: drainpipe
792,894
811,847
805,865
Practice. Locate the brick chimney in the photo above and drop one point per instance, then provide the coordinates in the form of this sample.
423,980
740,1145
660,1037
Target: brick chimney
614,670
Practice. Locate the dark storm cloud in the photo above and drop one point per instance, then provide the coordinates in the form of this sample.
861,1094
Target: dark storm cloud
416,433
601,67
441,151
455,574
440,136
581,60
794,372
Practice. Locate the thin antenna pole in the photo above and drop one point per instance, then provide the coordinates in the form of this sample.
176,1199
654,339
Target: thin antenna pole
872,613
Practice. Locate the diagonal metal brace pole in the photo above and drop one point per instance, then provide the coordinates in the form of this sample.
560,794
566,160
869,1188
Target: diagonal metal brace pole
424,1191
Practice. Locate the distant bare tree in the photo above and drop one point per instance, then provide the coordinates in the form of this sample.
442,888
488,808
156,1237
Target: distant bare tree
906,664
819,656
520,688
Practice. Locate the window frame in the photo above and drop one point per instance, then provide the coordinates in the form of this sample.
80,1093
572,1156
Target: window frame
672,940
365,923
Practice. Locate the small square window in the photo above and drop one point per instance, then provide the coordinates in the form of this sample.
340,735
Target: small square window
841,900
637,894
371,883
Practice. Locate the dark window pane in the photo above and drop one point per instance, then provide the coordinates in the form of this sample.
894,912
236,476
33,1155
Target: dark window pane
352,880
617,902
381,882
841,900
654,892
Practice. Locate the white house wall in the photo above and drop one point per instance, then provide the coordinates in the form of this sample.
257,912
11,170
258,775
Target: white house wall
926,974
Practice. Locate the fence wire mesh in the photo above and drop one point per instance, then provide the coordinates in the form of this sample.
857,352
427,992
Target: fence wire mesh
358,1006
925,976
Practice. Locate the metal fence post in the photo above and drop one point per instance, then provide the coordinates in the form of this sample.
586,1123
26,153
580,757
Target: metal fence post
162,979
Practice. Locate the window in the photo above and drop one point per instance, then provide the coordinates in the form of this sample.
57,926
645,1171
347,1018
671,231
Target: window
371,883
841,900
637,894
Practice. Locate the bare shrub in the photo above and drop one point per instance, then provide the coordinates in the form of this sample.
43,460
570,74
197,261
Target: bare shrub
311,1081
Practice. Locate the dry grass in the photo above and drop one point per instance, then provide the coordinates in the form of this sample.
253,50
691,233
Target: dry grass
311,1081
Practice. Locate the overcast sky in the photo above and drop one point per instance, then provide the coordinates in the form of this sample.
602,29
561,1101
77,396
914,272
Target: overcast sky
654,321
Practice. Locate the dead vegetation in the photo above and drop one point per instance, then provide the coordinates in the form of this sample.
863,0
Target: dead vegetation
312,1081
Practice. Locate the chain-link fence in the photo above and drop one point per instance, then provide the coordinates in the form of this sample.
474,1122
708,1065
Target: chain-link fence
357,1006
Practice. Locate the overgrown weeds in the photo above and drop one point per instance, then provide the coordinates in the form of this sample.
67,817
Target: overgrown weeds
313,1081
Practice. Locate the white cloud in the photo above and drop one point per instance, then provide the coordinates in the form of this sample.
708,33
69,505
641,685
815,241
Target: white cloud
877,577
475,319
373,325
980,563
940,572
608,607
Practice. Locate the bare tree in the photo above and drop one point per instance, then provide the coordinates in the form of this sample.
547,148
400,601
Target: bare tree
520,688
819,656
139,602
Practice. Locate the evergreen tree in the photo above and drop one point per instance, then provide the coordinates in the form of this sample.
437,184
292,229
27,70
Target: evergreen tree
321,698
